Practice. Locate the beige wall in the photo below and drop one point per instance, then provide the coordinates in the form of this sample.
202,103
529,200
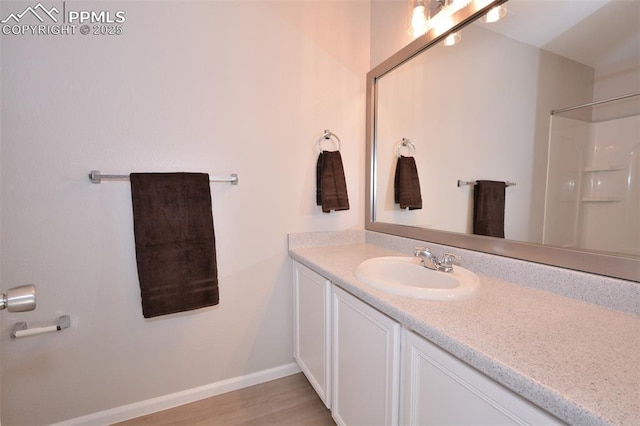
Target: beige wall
389,24
213,86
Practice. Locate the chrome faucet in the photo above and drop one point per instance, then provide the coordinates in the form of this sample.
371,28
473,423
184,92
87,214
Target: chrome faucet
429,260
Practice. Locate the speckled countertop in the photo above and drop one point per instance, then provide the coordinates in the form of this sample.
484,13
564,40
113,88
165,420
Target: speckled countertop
576,360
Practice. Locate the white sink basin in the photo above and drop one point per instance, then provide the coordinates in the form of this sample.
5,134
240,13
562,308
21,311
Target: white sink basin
405,276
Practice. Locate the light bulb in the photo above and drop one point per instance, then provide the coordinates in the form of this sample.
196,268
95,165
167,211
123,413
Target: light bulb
419,23
452,39
494,15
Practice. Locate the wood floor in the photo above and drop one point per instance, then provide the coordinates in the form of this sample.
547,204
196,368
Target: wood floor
287,401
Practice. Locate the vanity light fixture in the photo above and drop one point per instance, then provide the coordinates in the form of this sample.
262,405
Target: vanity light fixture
422,19
494,15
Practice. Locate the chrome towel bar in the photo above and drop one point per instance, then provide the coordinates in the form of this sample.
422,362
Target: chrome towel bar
473,182
96,177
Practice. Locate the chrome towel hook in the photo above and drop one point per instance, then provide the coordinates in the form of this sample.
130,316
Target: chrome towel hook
327,135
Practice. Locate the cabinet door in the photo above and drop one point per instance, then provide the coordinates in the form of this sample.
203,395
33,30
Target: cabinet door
366,346
312,338
439,389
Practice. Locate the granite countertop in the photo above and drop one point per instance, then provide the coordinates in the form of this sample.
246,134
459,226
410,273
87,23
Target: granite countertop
576,360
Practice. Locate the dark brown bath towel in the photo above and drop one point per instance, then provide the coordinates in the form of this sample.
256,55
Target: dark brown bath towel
488,208
406,184
175,242
331,186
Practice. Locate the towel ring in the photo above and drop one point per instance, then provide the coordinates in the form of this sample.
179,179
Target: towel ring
406,143
328,135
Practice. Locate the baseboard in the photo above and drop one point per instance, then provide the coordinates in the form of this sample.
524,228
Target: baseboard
165,402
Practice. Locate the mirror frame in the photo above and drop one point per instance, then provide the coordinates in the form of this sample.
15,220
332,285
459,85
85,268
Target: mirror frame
592,262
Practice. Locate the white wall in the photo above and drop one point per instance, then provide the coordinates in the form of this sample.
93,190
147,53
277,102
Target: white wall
214,86
616,79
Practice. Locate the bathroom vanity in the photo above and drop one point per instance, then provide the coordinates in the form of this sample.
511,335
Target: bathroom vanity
537,342
509,354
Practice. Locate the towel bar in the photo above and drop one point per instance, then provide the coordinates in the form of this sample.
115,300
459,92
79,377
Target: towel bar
96,177
473,182
21,329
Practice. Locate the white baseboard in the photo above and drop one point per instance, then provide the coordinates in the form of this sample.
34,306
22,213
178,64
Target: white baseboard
165,402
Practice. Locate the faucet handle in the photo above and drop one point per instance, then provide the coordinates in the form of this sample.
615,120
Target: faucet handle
449,259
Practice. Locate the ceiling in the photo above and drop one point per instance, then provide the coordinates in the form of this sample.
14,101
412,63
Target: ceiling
592,32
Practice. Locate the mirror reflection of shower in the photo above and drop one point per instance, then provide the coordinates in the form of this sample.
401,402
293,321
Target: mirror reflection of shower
593,178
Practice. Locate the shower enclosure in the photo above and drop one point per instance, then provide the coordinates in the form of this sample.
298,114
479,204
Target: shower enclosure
592,198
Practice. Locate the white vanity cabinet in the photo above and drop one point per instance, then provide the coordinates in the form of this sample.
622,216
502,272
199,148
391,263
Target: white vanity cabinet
439,389
365,362
370,371
312,328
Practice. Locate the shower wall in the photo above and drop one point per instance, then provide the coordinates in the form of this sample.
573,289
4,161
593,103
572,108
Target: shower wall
567,144
609,207
592,197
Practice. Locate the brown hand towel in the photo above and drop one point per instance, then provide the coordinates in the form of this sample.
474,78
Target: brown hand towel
488,208
175,242
331,186
406,184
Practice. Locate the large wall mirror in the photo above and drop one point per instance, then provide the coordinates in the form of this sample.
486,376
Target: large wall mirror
546,100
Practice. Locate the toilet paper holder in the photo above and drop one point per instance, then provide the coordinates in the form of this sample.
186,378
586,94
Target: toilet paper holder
21,329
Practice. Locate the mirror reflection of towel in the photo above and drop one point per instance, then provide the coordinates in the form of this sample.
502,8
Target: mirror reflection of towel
175,242
406,184
488,208
331,186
